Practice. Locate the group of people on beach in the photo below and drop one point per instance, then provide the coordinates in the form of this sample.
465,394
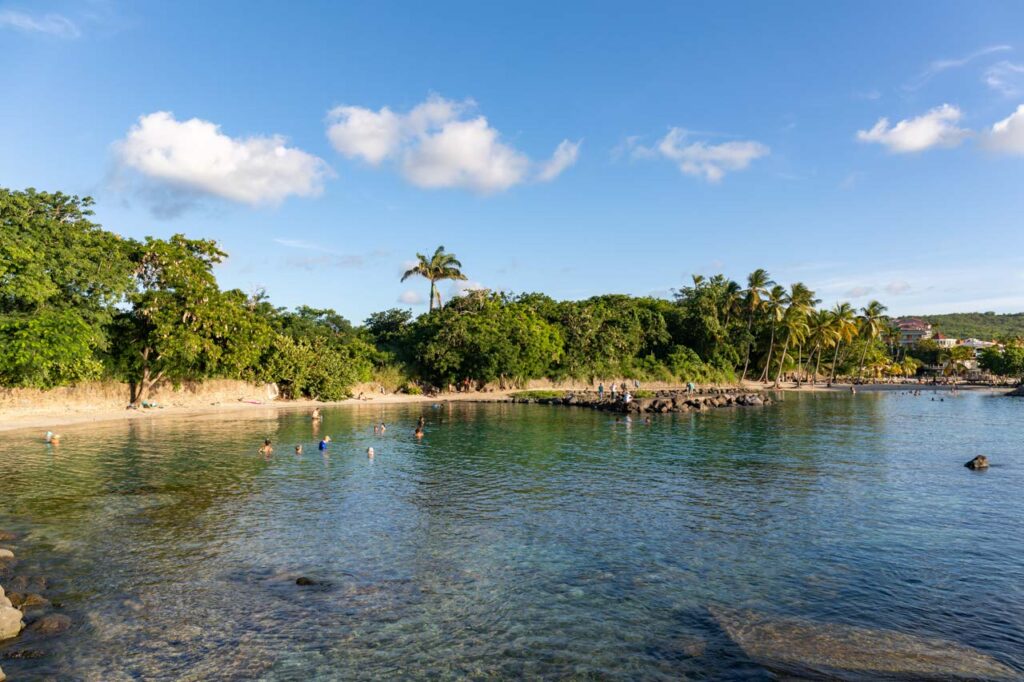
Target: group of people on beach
379,429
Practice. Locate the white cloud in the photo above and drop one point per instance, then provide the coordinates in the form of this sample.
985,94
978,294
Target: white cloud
461,287
411,297
1006,77
859,292
56,25
1007,136
897,287
465,154
937,128
712,161
358,132
565,156
194,156
940,65
438,145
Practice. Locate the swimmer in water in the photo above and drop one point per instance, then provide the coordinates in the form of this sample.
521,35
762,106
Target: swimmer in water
298,449
383,428
316,414
422,422
369,453
324,443
266,449
376,429
52,438
419,432
647,421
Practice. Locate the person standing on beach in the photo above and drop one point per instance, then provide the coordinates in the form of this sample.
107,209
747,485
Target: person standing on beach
600,391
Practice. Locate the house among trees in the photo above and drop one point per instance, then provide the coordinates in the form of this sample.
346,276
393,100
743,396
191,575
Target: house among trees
913,330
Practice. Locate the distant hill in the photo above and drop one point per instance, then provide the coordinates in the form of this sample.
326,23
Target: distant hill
977,325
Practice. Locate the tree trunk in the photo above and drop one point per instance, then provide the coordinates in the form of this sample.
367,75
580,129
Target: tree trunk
814,377
835,361
746,360
768,362
141,390
782,360
863,355
432,289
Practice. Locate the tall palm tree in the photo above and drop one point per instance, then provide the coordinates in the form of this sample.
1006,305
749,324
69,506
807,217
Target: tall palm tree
822,334
775,305
794,321
438,267
871,325
845,325
757,284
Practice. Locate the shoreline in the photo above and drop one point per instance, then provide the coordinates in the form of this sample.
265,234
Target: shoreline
50,418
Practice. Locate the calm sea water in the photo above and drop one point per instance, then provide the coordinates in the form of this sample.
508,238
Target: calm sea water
514,540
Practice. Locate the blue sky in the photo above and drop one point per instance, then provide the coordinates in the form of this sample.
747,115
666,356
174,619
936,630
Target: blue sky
569,148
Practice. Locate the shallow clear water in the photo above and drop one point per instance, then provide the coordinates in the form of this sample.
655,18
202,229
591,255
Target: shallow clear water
515,540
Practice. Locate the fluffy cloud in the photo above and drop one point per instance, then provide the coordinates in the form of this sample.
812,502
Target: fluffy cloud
194,156
564,157
1007,136
55,25
437,144
412,297
937,128
700,158
1006,77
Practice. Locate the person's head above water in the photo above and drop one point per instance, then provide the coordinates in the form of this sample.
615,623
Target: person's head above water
369,453
266,441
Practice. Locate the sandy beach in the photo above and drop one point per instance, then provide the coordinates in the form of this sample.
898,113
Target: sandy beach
50,417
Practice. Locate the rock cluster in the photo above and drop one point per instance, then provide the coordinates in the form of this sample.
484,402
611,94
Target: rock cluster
24,601
662,401
979,462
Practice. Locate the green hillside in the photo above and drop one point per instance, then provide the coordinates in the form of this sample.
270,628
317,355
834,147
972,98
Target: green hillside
977,325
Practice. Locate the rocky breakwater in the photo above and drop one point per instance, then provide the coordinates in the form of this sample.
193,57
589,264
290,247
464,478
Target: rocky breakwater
656,402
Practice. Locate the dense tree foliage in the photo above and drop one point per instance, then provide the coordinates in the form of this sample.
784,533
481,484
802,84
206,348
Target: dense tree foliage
79,303
986,326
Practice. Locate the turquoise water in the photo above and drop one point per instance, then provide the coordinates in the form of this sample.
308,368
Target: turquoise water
515,540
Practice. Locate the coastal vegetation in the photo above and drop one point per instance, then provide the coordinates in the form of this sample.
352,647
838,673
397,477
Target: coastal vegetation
80,303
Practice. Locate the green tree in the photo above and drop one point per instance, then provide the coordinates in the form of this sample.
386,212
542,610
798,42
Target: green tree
757,284
440,266
180,325
61,277
871,325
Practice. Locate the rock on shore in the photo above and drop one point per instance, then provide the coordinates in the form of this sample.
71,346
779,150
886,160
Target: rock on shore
10,622
663,401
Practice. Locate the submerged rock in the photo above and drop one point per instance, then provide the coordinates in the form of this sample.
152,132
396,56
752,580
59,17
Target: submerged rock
6,554
10,622
979,462
304,581
7,536
34,601
2,676
51,624
15,599
836,651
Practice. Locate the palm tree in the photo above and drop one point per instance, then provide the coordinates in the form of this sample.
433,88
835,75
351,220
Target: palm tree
438,267
776,306
757,284
871,325
794,321
845,326
822,334
955,359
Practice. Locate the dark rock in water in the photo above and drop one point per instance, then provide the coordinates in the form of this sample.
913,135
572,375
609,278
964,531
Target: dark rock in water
51,624
303,580
979,462
1017,392
22,654
33,601
7,536
16,598
21,583
801,647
